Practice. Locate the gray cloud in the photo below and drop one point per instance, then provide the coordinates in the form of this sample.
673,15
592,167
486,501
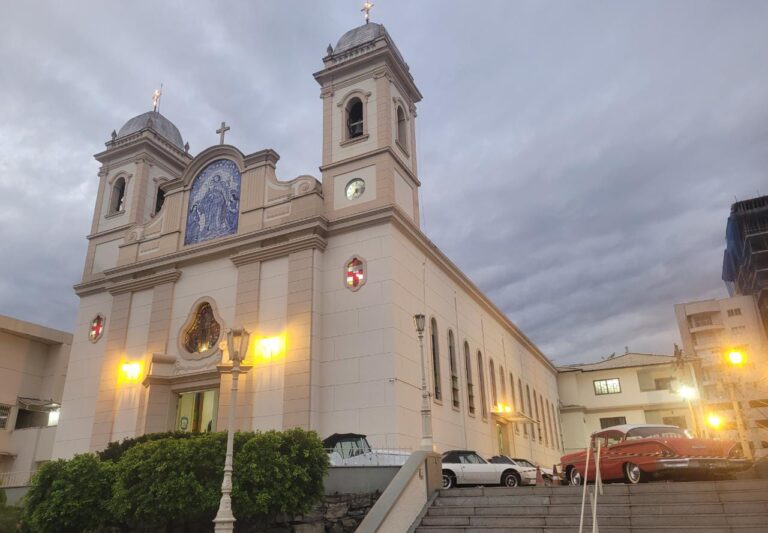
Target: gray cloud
578,159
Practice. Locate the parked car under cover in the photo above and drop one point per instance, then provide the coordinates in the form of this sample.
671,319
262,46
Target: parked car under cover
465,467
638,452
352,449
546,473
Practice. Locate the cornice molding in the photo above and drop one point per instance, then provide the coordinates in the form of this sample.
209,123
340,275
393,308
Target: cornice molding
280,249
145,282
368,155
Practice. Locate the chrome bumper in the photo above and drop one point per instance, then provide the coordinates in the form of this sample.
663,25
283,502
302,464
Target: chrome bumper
702,464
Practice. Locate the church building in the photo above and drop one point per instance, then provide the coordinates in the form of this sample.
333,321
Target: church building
326,275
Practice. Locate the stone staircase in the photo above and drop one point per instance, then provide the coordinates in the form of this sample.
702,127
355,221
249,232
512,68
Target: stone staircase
700,506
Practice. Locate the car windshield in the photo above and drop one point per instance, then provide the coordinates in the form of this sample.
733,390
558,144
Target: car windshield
523,462
656,433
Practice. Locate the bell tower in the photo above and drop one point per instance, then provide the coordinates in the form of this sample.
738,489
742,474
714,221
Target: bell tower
369,126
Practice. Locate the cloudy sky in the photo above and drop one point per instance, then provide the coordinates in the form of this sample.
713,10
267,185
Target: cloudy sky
578,159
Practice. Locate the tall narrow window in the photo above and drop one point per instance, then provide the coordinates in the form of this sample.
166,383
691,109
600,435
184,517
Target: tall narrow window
538,416
470,386
556,428
481,377
401,126
503,387
530,410
159,200
522,404
512,401
354,118
544,420
494,393
454,370
550,422
117,201
435,359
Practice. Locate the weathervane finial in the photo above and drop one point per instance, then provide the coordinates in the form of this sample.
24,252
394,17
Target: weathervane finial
367,6
156,98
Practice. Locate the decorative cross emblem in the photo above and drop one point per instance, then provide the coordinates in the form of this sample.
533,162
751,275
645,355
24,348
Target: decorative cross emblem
221,131
367,6
97,328
355,273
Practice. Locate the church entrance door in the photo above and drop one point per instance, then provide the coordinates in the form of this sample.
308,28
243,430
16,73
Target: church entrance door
197,411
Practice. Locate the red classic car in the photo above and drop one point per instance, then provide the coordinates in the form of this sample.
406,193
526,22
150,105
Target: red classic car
637,452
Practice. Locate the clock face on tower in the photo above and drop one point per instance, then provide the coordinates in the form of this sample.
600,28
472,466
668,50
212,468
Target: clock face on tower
355,189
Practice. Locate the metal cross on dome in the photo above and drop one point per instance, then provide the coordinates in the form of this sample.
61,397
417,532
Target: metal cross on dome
367,6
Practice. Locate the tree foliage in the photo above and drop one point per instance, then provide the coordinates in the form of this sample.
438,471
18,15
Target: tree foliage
69,496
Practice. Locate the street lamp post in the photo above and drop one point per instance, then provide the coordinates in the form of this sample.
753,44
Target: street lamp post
688,394
736,359
426,411
237,346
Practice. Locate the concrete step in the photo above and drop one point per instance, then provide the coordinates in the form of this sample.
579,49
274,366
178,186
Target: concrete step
606,521
570,529
617,488
456,507
675,497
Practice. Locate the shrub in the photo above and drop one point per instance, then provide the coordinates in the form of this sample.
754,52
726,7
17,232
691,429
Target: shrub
169,482
9,515
278,473
69,496
115,450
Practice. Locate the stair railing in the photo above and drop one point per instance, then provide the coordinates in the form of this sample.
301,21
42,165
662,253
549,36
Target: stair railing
598,487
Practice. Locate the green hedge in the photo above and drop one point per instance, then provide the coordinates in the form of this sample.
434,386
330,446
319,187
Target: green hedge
172,481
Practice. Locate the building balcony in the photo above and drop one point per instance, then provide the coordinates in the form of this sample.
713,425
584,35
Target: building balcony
714,326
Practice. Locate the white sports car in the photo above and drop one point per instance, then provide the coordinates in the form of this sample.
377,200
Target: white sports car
546,473
465,467
352,449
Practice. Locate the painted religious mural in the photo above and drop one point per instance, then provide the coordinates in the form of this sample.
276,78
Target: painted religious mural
214,202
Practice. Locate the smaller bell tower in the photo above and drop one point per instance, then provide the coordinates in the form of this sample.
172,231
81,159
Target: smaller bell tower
369,126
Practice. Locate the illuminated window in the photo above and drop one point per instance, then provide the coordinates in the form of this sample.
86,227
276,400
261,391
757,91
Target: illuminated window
354,274
435,360
454,370
607,386
470,385
196,411
204,332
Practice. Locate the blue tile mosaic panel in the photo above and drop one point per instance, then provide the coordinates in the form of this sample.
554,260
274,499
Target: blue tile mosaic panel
214,202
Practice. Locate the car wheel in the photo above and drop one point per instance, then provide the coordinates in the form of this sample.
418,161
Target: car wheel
510,479
449,479
574,477
632,474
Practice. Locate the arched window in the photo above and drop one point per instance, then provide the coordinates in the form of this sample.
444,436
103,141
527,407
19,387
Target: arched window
354,118
481,377
538,417
117,201
543,420
454,370
435,359
554,425
401,131
159,200
470,386
502,386
494,394
548,411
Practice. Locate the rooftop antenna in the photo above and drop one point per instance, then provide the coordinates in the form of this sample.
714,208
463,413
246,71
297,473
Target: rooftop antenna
367,6
156,98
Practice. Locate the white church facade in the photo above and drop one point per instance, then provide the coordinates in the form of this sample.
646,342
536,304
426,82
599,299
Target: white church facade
327,276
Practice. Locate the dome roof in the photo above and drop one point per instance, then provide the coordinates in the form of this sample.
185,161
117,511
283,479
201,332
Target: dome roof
360,35
155,121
